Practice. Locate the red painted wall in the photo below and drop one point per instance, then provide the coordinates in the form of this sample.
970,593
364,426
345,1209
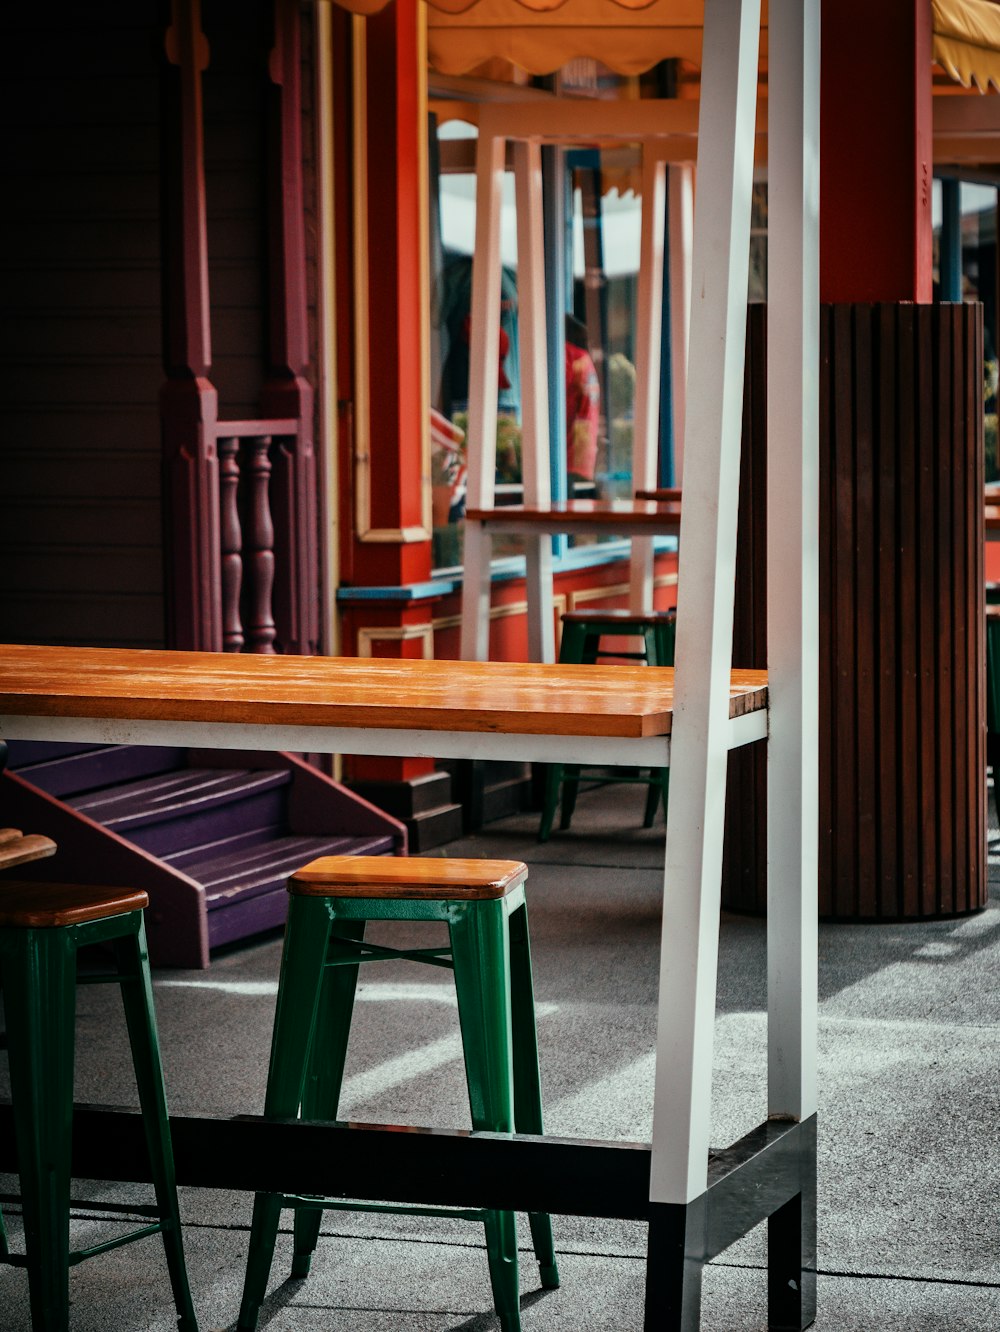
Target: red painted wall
876,149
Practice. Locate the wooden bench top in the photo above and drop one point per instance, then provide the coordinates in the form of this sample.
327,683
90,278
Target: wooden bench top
407,877
512,698
18,849
617,516
41,906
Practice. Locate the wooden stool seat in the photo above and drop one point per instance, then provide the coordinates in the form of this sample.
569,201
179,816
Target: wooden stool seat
41,906
407,877
331,902
18,849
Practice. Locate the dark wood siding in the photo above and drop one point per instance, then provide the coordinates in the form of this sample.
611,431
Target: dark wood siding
80,527
902,831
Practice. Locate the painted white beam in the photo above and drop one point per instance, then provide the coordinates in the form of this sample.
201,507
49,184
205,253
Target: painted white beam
706,577
484,356
535,471
680,203
793,554
648,328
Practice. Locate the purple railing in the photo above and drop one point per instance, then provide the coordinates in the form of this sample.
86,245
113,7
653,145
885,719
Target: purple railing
247,531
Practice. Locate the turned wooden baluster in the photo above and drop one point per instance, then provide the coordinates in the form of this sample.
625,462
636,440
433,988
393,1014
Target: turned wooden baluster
258,543
232,545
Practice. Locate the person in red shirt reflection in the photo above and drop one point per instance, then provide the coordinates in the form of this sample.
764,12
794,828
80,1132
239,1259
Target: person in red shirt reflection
583,405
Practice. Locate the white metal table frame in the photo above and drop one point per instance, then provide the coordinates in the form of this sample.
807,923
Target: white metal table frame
695,1204
706,574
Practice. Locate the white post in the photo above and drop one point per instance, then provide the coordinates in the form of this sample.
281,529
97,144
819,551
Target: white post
646,416
793,553
484,356
680,196
534,391
700,737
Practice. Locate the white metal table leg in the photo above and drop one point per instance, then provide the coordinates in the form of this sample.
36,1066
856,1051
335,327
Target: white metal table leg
793,620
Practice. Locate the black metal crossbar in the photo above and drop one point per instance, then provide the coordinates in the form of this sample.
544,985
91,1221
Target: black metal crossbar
770,1174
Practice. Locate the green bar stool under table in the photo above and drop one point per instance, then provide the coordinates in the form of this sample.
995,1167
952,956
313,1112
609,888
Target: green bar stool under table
483,904
582,632
42,926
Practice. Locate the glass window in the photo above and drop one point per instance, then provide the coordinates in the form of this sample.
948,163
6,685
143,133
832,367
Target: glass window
600,253
964,218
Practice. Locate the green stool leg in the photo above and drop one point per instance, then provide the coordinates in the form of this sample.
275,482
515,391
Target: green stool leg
299,985
553,781
571,650
580,644
659,643
137,998
570,790
325,1075
480,953
39,974
527,1078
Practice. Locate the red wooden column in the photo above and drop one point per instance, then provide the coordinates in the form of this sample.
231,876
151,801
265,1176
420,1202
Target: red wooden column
387,429
876,151
286,393
188,400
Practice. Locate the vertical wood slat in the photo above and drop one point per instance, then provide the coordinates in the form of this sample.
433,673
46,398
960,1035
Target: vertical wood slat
866,617
947,604
889,466
839,616
902,740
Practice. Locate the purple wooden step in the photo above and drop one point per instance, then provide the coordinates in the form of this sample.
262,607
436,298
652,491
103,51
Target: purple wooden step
23,752
220,848
72,774
259,869
188,808
250,897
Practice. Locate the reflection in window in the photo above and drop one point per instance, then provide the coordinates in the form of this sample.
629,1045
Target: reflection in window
964,217
600,248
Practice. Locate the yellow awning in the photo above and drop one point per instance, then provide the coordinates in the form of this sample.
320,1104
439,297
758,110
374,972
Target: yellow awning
967,40
540,36
630,36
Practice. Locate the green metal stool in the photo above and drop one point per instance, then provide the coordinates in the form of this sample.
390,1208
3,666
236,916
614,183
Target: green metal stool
42,925
582,632
483,904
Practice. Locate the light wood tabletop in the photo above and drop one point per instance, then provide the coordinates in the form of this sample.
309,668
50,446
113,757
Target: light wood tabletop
504,698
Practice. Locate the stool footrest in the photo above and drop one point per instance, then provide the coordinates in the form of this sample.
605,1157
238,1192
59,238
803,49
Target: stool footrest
433,957
77,1256
305,1203
81,1255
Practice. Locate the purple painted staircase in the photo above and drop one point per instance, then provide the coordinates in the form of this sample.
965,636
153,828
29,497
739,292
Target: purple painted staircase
211,835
